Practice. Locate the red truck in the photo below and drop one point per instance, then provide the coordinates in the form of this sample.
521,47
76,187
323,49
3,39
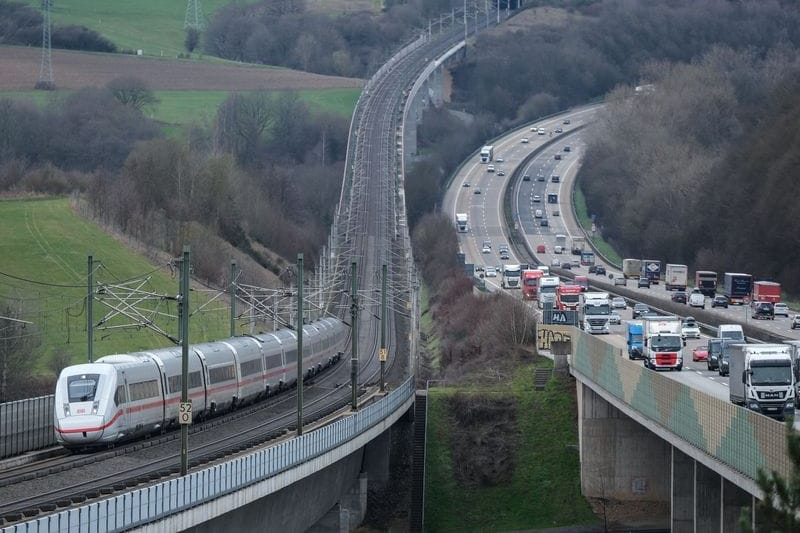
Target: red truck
530,283
766,291
568,297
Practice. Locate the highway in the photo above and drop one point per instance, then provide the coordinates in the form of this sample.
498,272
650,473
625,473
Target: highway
486,222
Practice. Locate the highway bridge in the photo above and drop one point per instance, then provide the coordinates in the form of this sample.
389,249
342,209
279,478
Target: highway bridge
644,435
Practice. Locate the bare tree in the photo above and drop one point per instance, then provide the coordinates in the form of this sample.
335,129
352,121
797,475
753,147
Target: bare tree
131,91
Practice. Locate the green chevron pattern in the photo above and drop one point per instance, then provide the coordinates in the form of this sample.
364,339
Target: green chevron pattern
733,435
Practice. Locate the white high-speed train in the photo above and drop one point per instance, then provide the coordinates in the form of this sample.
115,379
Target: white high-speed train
125,396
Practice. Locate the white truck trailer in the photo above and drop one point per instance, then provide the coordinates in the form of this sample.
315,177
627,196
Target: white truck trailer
631,268
676,277
761,379
462,219
487,154
663,344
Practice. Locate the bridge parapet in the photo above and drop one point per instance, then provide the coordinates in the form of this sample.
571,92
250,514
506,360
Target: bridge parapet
732,440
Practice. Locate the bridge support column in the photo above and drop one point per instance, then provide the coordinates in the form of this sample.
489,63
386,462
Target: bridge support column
708,499
377,456
733,499
620,459
348,513
683,492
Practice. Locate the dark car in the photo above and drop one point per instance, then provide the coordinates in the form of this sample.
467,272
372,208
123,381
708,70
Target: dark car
592,269
643,283
555,178
566,265
639,310
544,223
679,297
762,310
720,301
600,270
567,149
558,157
526,177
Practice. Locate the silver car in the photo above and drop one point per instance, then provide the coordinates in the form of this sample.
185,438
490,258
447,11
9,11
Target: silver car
781,309
618,302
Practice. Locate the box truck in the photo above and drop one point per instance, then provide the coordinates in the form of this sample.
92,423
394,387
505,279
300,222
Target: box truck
663,344
766,291
675,277
706,281
461,222
761,379
737,287
631,268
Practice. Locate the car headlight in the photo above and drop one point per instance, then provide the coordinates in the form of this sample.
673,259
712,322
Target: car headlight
753,406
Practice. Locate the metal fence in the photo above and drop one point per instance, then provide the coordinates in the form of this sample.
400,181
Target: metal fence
156,502
739,438
26,425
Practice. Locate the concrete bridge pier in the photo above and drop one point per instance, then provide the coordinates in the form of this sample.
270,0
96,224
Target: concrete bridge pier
620,459
703,500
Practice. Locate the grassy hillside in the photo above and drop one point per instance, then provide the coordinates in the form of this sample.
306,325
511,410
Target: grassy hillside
153,26
156,26
508,463
43,268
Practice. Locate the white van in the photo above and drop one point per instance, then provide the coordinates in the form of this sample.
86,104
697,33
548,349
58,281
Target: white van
697,299
730,331
538,213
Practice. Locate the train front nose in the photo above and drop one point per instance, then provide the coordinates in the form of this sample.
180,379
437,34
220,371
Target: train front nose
80,429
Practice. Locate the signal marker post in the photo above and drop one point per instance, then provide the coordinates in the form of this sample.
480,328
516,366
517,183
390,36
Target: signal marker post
185,414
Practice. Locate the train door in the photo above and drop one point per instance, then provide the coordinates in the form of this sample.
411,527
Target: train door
121,397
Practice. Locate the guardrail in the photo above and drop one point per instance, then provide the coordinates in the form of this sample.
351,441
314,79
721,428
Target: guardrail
156,502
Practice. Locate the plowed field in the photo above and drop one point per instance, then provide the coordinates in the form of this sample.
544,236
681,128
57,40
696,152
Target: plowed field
19,70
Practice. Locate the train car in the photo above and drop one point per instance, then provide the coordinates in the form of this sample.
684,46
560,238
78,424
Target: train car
126,396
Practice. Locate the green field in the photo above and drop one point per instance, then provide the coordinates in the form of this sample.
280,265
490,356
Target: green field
181,107
153,26
605,249
44,247
545,489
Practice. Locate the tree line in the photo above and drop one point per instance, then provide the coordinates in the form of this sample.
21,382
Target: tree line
276,32
265,174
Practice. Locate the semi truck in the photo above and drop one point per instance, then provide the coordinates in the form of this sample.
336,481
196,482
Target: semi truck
561,244
635,340
675,277
530,283
631,268
738,287
487,154
762,379
578,245
568,297
548,285
587,258
794,351
766,291
461,222
511,277
706,281
663,344
596,312
651,269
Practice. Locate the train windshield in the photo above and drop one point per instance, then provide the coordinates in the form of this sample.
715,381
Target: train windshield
82,388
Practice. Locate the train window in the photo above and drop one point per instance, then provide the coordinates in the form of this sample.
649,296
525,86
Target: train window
143,389
82,388
221,373
175,382
251,367
291,355
119,396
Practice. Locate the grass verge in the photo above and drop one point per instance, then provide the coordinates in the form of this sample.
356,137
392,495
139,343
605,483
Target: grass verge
545,488
426,325
586,223
43,277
